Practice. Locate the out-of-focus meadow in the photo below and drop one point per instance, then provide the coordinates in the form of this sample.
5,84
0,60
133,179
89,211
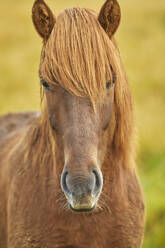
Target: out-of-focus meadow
141,39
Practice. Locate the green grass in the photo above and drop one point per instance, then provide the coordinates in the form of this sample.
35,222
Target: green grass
141,38
152,171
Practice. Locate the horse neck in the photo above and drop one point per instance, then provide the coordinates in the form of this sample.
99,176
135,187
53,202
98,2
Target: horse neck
38,143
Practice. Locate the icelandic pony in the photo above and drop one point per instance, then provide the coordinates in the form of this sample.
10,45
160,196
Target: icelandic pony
67,175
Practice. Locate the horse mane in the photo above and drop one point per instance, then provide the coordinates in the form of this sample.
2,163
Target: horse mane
79,56
76,54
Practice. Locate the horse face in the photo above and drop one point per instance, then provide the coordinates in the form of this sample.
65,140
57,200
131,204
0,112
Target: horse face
81,132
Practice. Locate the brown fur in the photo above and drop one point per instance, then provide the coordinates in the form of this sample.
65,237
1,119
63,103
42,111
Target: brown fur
76,62
43,18
110,16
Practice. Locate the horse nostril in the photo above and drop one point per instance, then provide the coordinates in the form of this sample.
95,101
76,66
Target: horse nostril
82,189
64,183
98,181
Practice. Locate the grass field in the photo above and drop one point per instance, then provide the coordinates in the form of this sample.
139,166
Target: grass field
141,39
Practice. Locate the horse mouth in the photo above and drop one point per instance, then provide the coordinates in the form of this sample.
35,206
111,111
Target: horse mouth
82,210
82,205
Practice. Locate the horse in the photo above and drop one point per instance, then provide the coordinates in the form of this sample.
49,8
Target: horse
67,174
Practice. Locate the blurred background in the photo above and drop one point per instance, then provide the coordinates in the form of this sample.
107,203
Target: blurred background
141,39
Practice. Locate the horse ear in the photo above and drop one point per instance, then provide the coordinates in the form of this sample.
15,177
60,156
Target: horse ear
109,17
43,18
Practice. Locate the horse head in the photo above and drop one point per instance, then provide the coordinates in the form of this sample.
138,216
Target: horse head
78,72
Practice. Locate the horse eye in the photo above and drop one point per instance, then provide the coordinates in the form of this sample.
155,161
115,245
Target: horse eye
45,84
108,85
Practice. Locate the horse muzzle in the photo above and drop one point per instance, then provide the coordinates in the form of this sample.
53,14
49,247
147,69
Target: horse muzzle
82,190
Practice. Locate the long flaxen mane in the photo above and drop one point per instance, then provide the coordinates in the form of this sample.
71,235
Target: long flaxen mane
80,57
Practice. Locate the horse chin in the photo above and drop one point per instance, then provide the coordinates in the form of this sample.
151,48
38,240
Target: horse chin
82,210
82,205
